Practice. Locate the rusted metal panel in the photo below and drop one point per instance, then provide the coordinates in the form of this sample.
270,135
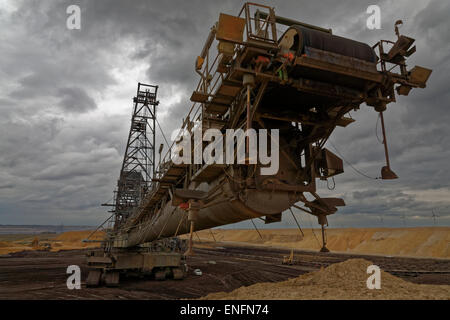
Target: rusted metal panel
212,123
174,171
222,99
325,206
342,60
230,28
301,37
328,164
128,261
399,49
228,90
183,195
208,172
420,75
326,89
93,278
216,108
272,218
337,68
226,48
160,259
199,97
99,260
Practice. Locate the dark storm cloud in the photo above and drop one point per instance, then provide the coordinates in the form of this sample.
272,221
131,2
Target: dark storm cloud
59,158
76,100
170,33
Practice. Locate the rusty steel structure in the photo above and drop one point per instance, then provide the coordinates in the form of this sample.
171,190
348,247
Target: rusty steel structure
303,81
138,166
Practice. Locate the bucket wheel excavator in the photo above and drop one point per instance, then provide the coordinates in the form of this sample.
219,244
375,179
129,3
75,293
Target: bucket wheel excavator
302,82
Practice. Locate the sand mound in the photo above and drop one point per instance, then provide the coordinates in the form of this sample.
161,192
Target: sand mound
78,236
74,240
417,242
65,241
6,247
345,280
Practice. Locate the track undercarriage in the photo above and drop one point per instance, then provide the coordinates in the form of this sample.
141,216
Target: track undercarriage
159,260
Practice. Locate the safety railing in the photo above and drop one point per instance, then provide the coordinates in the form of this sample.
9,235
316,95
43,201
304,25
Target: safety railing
260,27
381,46
263,20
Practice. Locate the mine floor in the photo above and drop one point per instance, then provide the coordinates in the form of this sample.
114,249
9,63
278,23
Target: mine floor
224,266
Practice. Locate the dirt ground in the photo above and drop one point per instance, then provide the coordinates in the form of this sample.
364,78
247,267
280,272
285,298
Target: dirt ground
345,280
225,267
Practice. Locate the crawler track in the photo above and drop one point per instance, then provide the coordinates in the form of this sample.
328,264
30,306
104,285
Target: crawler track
225,267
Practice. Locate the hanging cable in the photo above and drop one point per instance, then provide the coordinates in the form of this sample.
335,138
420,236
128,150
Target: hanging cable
310,222
90,235
105,203
254,225
312,230
179,224
351,166
295,219
212,234
167,221
162,132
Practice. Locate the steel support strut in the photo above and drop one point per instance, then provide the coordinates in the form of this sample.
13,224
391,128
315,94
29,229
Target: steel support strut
386,172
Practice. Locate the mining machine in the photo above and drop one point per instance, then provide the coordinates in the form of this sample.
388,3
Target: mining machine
256,71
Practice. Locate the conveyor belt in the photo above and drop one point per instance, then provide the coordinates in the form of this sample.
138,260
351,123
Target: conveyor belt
298,37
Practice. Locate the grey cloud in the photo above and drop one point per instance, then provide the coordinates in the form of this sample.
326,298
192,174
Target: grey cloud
76,100
52,79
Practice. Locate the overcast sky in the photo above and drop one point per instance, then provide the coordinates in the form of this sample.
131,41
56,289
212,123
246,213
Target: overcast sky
66,98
